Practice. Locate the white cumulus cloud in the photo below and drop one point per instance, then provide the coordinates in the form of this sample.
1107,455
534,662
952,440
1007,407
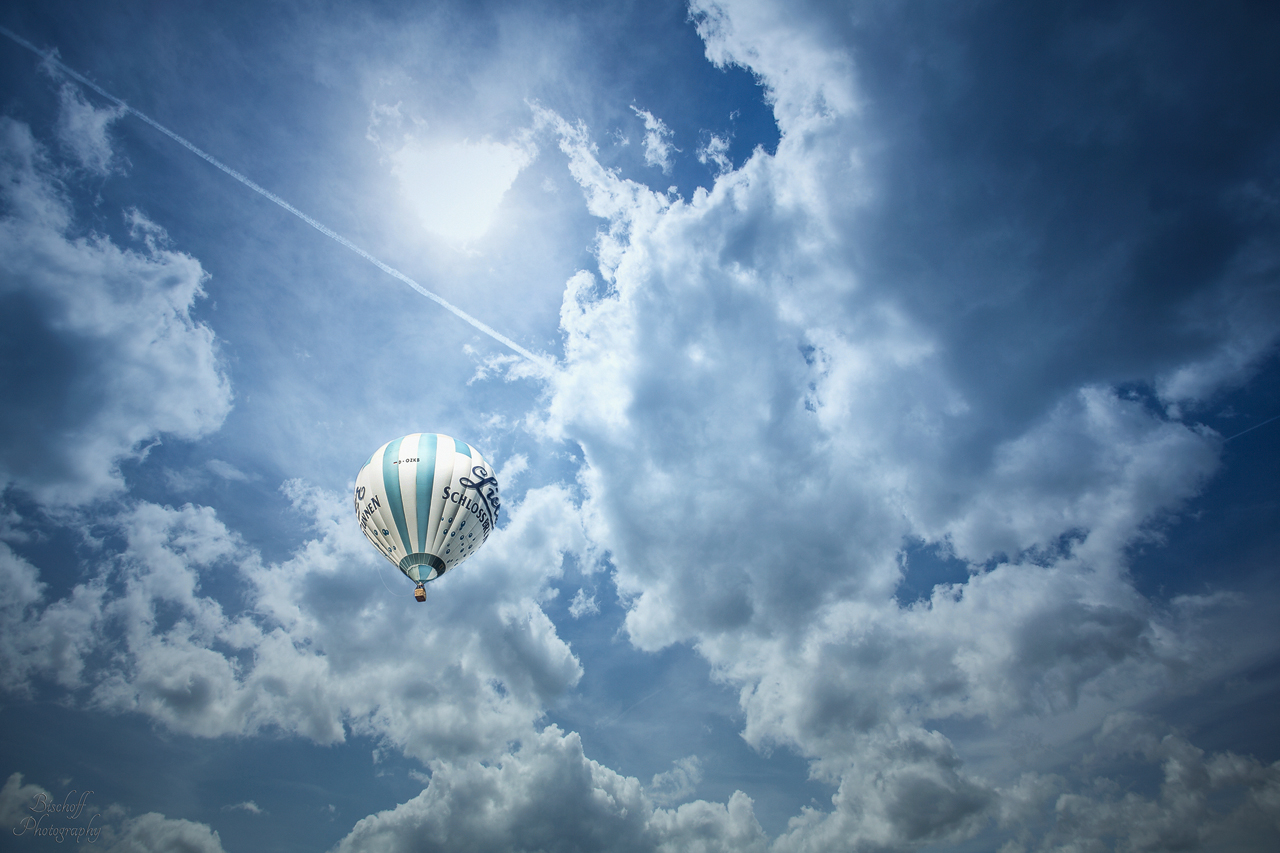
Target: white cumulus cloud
320,651
102,354
767,424
548,795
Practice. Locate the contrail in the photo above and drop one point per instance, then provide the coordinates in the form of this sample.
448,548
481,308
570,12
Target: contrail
1252,428
617,717
50,57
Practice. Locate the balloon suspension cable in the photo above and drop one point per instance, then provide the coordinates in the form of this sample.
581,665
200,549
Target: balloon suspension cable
384,582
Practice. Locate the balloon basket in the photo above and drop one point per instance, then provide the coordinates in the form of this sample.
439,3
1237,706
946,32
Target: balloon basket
420,593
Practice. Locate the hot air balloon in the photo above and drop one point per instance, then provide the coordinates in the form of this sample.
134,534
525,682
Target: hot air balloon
427,502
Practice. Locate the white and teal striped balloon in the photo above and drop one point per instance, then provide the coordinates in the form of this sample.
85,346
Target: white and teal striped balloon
427,502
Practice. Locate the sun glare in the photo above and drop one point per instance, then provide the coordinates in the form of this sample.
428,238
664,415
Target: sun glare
456,187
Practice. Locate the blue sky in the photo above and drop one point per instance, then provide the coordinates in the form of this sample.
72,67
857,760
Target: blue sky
904,478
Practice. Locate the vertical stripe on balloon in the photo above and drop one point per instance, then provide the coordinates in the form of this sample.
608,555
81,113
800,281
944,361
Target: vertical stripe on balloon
442,478
391,482
382,513
408,488
424,480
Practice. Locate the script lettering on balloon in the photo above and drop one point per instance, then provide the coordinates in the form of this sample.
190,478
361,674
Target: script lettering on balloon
373,504
480,509
490,497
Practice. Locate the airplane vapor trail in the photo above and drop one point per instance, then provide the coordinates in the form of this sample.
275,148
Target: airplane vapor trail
50,57
1252,428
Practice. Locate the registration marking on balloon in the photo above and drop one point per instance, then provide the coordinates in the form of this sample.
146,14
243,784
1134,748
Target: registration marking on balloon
426,502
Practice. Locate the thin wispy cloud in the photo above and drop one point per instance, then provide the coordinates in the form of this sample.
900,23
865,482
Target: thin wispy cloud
658,149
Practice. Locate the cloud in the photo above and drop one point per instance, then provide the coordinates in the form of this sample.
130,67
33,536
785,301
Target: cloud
227,471
548,795
101,350
1097,463
908,789
757,459
1205,801
319,651
887,333
16,799
715,152
192,479
32,812
82,130
657,148
801,59
582,604
38,637
155,833
678,783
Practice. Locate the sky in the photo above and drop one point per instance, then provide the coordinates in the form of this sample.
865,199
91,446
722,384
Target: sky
883,397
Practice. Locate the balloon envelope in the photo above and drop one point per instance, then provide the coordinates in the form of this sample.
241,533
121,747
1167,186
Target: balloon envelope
427,502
